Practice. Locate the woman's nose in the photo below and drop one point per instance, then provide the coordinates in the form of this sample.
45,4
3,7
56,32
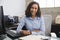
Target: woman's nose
34,10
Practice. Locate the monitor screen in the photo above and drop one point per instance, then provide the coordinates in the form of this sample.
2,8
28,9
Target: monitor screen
2,29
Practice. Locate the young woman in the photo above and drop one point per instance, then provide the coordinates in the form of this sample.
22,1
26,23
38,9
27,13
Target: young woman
33,21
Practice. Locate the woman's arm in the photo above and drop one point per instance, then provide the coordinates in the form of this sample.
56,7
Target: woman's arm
42,26
20,26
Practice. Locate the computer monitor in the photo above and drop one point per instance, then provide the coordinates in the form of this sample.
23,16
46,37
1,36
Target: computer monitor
8,22
16,19
2,28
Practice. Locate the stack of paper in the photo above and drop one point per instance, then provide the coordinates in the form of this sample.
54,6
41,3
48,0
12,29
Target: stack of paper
32,37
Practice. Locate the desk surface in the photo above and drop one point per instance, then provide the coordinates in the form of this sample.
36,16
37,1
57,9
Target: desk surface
33,37
7,38
38,37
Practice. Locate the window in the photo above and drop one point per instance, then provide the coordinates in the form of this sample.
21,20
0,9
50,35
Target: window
48,3
57,3
42,3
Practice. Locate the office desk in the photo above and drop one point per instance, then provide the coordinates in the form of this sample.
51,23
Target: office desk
32,37
38,37
5,37
56,28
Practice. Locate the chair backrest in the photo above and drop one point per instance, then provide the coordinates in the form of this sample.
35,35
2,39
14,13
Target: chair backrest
48,22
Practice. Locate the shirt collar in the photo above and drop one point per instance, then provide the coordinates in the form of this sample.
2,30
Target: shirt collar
37,18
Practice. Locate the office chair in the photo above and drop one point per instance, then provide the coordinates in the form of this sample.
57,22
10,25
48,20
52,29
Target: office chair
48,22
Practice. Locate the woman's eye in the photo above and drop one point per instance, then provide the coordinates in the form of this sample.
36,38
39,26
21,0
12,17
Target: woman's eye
35,8
32,7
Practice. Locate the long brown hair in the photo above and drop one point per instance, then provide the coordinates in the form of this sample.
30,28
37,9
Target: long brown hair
28,13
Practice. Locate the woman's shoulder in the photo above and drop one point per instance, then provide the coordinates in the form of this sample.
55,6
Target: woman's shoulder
42,17
24,18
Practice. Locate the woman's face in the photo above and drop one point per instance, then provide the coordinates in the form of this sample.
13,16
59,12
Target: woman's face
34,9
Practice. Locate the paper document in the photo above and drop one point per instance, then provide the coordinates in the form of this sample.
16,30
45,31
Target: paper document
33,37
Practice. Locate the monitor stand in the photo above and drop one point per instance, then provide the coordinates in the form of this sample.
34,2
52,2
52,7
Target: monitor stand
2,37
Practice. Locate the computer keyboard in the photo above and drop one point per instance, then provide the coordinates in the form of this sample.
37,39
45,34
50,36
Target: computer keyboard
12,34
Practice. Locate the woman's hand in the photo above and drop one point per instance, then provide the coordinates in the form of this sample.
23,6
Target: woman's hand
25,32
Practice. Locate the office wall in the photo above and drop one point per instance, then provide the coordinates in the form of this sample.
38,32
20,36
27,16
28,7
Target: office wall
51,11
0,2
27,2
13,7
